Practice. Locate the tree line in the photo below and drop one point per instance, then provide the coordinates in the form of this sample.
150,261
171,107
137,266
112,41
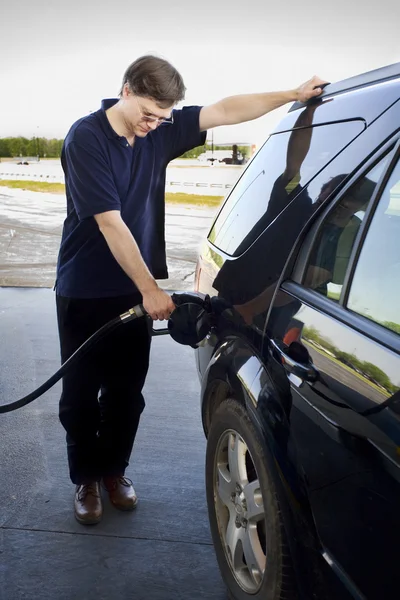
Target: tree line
365,368
36,146
44,148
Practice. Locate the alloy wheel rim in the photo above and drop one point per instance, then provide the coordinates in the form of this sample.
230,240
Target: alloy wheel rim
239,509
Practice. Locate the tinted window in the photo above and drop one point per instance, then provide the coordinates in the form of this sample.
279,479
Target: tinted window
330,255
375,290
280,170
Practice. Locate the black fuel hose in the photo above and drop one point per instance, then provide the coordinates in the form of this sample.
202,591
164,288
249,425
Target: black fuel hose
133,313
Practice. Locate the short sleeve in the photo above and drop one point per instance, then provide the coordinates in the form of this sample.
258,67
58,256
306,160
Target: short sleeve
184,134
89,179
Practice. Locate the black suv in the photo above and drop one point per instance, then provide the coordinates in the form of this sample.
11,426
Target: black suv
300,376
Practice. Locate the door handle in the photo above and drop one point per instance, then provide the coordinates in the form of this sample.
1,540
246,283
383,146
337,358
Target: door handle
305,371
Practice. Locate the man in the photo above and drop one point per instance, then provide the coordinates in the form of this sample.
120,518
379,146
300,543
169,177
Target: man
113,250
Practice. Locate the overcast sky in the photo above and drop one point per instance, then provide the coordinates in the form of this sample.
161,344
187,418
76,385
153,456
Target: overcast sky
58,59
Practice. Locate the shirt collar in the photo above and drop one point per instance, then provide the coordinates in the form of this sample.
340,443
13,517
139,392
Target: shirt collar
105,123
108,130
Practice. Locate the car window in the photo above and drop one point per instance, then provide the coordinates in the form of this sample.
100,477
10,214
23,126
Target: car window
330,255
280,170
375,289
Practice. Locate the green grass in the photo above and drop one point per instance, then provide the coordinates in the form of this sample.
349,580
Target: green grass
59,188
195,199
34,186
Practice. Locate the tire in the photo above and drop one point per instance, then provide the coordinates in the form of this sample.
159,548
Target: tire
245,519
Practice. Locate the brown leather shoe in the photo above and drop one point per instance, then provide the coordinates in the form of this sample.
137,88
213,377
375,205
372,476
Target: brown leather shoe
121,492
88,504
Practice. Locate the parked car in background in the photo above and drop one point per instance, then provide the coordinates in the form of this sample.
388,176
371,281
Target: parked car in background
300,378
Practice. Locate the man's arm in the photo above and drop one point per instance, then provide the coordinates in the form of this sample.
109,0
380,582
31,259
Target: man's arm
299,143
247,107
125,250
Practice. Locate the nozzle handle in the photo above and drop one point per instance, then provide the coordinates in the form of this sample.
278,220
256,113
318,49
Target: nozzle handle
139,311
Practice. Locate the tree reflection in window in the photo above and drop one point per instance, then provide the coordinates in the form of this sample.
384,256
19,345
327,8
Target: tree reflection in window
366,370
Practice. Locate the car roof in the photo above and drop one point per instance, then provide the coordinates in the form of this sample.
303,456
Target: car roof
368,78
363,97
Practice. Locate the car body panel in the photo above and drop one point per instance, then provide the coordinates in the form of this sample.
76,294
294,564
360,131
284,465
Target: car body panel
351,462
338,469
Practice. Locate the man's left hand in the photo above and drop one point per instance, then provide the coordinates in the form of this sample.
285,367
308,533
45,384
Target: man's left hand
310,89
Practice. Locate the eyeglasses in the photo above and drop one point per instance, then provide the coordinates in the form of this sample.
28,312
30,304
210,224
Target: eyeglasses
151,119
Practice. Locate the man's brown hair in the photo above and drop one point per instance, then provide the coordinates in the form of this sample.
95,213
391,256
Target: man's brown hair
155,78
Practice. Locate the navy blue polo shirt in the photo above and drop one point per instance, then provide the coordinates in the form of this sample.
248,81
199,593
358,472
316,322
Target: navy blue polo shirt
103,172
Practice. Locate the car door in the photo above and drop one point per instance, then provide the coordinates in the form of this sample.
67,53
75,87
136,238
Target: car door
334,329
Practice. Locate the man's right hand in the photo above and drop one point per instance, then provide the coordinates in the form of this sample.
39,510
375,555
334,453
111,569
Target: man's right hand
158,304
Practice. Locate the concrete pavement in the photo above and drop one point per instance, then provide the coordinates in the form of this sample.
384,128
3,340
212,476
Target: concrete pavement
30,233
161,551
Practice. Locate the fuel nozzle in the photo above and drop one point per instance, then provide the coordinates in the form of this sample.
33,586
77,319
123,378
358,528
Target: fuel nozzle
191,321
194,317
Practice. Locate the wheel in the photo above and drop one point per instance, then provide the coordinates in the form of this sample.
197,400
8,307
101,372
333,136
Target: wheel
245,519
